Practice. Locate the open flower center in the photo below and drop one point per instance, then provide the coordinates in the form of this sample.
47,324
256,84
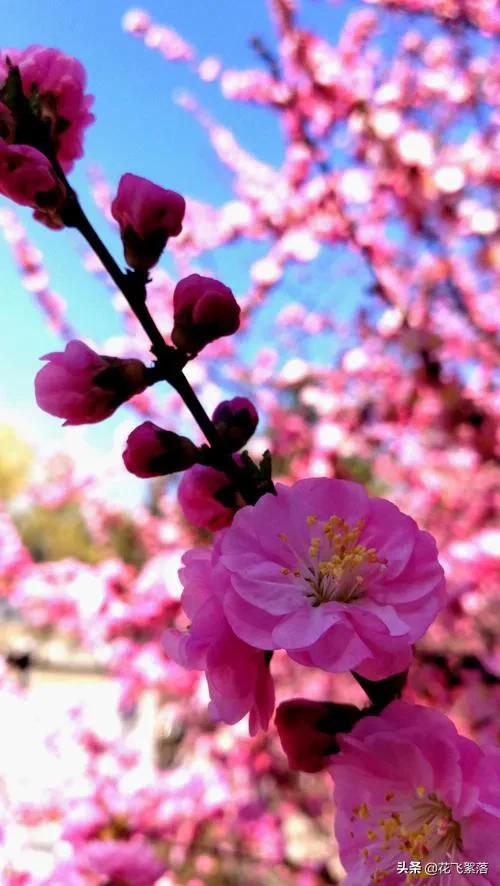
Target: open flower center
116,829
424,831
337,565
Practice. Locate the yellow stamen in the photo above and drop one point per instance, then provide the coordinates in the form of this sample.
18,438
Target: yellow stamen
337,566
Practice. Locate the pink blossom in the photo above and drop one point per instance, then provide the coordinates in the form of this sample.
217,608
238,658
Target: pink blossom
60,81
340,580
27,178
136,21
147,215
252,85
238,676
165,40
204,310
84,387
151,451
209,69
408,788
198,497
83,821
35,279
128,862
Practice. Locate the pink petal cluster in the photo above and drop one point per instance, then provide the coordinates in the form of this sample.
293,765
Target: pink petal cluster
238,676
340,580
409,788
128,862
27,178
60,81
147,215
84,387
197,497
152,452
204,310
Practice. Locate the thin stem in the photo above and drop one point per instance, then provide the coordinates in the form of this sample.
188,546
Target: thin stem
132,286
226,462
169,360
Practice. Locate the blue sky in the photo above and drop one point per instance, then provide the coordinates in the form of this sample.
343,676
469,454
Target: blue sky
138,128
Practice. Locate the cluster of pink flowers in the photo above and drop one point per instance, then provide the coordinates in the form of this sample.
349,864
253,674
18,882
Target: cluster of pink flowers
409,789
59,82
315,572
237,673
29,262
341,581
53,87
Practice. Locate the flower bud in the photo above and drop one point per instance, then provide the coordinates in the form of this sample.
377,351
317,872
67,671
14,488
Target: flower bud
204,310
27,178
207,498
235,421
84,387
45,90
307,730
147,215
152,452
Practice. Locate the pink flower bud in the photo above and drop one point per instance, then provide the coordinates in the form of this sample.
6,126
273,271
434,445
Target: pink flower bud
84,387
153,452
147,215
204,310
307,730
207,498
236,421
27,178
55,85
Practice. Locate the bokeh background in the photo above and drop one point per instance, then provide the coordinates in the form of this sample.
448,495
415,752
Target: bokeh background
339,162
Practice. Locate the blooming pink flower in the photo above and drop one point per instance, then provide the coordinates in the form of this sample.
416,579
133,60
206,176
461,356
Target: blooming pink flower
151,451
204,310
128,862
60,83
200,495
84,387
409,788
340,580
27,178
147,215
238,676
236,421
